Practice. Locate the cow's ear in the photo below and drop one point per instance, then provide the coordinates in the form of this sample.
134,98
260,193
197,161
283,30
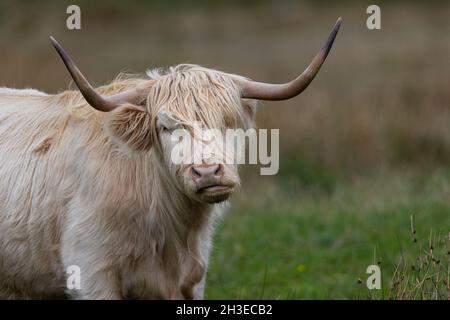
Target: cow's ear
250,107
129,126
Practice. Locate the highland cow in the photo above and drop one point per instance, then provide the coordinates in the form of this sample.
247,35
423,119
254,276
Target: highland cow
86,180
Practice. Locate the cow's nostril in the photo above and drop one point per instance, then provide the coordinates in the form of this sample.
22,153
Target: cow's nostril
207,171
219,171
195,173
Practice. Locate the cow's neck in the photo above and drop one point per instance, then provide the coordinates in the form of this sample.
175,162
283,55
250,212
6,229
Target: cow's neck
180,215
183,228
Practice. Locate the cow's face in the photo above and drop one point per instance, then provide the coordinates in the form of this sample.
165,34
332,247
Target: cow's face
184,120
195,160
193,110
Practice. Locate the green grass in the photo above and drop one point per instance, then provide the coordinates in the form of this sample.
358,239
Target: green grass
310,243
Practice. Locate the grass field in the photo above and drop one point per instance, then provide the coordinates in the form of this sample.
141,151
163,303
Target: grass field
318,242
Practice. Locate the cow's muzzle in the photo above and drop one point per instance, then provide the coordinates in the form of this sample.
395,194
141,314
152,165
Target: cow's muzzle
210,183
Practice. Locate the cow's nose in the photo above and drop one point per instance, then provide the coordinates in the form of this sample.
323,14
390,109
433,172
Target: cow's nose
207,171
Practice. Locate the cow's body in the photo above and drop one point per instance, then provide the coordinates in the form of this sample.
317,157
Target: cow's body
68,197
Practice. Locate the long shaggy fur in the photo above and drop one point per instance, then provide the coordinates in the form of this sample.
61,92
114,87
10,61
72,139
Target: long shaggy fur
81,187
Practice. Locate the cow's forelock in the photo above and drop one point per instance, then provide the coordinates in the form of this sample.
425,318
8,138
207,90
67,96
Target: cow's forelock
191,93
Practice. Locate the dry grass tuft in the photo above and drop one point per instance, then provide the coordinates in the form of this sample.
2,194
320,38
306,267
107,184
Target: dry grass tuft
423,273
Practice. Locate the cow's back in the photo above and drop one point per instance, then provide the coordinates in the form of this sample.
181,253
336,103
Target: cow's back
34,191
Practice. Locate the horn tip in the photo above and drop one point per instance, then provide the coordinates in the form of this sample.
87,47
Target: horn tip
338,23
327,47
55,43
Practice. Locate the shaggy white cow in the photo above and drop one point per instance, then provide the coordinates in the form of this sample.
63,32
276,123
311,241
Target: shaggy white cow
86,180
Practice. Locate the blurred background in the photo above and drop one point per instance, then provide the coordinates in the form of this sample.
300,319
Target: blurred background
364,150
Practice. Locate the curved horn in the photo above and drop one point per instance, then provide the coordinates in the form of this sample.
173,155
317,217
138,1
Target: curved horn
266,91
97,101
